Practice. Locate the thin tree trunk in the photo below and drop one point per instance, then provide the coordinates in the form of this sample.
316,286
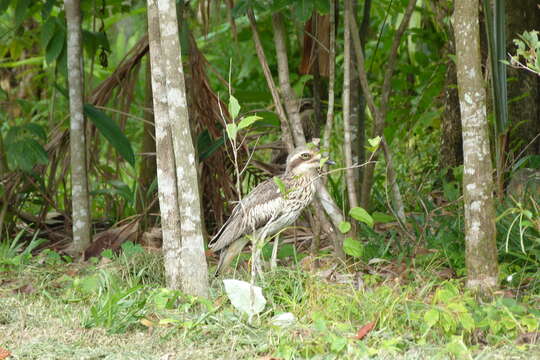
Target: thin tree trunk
379,114
347,131
290,100
79,180
192,261
358,103
285,127
331,78
481,249
147,173
291,106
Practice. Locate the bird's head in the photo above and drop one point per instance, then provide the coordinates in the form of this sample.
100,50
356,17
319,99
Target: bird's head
305,160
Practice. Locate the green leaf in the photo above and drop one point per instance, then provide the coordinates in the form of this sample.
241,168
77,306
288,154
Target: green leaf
353,247
303,10
112,132
382,218
55,46
46,9
47,31
234,107
280,185
232,130
36,130
431,317
248,121
374,142
4,4
362,215
21,11
322,6
344,227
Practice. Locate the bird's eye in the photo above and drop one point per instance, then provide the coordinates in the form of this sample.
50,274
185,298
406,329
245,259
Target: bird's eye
305,156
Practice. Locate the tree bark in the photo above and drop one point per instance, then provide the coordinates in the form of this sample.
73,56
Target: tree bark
358,101
451,149
183,246
481,249
147,173
79,177
350,177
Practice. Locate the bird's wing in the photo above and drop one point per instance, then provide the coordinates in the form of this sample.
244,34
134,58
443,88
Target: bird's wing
254,211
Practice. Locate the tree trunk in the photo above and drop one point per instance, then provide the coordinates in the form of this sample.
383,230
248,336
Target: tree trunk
350,172
358,101
183,246
79,180
524,91
286,132
291,103
147,173
379,114
481,249
451,149
291,106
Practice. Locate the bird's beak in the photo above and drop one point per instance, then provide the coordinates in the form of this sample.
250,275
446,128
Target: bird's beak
330,162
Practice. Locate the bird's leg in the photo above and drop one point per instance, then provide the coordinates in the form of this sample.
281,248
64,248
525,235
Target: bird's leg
273,260
256,249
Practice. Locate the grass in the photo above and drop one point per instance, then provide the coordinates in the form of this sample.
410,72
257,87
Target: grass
118,308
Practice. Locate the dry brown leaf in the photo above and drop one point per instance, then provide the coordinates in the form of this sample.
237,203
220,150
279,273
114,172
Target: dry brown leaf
25,289
147,323
4,354
364,330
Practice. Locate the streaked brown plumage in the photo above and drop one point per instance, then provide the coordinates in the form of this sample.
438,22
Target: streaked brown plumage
266,210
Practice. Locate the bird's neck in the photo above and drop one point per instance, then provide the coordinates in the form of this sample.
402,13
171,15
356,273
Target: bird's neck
301,175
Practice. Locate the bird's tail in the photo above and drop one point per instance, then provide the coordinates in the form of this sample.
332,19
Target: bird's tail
228,254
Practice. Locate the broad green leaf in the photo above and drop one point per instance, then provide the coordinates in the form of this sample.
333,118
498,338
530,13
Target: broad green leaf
374,142
383,218
248,121
322,6
467,321
234,107
431,317
55,46
232,130
245,297
46,9
344,227
36,130
362,215
21,11
303,10
4,4
353,247
112,132
47,31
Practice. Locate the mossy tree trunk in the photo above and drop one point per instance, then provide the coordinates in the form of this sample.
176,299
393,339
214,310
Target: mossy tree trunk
183,246
481,249
79,177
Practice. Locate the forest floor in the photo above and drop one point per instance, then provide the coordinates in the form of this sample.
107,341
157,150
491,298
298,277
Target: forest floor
117,308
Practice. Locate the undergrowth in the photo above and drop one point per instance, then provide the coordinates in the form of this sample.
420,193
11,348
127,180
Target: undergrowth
117,307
